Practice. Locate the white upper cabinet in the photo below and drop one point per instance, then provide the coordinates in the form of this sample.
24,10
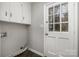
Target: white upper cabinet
26,10
4,11
17,12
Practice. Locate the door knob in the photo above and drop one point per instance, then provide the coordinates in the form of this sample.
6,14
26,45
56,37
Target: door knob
6,13
46,34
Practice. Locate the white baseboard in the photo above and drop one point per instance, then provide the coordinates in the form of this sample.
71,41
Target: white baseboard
37,52
22,50
18,52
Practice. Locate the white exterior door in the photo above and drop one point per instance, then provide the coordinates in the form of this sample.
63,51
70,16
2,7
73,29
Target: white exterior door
59,29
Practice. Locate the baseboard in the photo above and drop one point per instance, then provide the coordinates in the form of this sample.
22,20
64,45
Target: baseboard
18,52
37,52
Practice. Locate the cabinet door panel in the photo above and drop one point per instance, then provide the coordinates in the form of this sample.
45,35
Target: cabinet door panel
16,12
26,10
4,11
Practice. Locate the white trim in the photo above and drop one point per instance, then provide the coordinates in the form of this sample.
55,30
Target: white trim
37,52
18,52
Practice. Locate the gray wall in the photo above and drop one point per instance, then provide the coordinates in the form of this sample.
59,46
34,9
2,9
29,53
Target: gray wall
36,40
35,33
17,35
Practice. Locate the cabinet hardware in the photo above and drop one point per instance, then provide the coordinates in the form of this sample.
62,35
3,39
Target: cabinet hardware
23,18
6,13
46,34
10,14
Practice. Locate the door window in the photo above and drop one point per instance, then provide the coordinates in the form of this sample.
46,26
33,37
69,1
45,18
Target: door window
50,19
64,17
58,18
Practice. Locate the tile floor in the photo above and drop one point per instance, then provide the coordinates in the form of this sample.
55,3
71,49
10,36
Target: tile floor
28,53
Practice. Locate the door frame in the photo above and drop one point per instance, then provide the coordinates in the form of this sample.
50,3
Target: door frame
75,30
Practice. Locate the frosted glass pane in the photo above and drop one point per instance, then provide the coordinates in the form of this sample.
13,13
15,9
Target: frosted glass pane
50,19
64,17
57,27
57,18
50,27
51,11
57,9
64,27
64,8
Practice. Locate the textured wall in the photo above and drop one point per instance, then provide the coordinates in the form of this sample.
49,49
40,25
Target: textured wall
36,40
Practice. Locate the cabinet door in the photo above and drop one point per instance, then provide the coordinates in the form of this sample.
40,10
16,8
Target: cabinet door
4,11
15,12
26,10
